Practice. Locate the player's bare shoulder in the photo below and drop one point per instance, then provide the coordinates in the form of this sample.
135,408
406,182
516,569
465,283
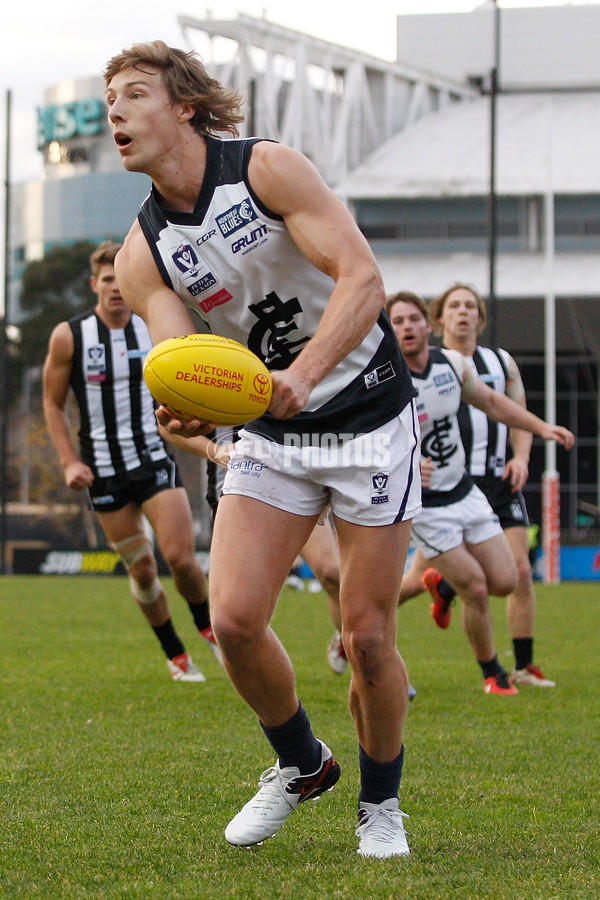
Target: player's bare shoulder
282,176
61,344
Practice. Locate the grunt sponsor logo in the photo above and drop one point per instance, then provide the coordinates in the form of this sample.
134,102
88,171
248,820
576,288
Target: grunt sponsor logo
236,217
215,300
444,378
249,241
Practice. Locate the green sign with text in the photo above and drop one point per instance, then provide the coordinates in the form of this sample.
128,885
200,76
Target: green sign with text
80,118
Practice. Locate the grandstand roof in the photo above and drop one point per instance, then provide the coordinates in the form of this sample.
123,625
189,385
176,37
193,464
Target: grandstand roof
542,139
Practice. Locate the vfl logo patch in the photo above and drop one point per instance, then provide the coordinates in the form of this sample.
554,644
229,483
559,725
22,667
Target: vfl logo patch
162,476
185,258
236,217
95,367
381,373
379,488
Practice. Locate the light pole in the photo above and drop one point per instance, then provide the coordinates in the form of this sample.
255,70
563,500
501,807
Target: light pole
3,356
492,199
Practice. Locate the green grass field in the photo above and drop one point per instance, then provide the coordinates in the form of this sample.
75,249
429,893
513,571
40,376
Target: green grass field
116,782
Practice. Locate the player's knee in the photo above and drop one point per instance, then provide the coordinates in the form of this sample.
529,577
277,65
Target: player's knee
329,578
233,630
524,575
180,559
138,558
148,594
503,582
365,647
473,590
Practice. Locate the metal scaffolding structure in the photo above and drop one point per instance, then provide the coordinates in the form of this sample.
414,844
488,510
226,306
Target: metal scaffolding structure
335,104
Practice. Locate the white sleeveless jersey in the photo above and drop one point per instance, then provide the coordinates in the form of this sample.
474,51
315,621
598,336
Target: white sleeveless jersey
233,262
439,392
486,443
118,431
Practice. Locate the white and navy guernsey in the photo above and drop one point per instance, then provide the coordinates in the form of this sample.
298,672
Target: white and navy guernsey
118,430
439,391
487,445
234,263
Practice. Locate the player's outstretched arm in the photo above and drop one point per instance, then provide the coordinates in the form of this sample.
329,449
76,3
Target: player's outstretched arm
502,409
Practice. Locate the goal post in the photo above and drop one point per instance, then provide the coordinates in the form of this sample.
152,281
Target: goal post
551,527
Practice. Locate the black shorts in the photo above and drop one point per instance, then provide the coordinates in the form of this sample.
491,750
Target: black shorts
508,505
137,486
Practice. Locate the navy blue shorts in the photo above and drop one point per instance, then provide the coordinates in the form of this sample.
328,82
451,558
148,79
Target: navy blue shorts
137,486
508,505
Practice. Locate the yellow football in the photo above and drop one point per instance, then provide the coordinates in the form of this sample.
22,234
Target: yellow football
207,377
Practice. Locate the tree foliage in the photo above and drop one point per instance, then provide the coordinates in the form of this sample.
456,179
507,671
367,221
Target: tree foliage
55,288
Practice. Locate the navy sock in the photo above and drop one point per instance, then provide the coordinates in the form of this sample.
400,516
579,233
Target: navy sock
523,648
491,667
201,614
295,744
169,639
379,781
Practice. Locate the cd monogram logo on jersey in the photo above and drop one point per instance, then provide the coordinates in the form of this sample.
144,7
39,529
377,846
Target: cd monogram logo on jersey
268,338
436,444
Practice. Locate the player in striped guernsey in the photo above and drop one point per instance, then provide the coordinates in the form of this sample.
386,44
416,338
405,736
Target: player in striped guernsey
123,463
457,527
499,464
247,234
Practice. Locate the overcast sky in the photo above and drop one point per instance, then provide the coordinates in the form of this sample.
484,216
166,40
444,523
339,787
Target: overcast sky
45,42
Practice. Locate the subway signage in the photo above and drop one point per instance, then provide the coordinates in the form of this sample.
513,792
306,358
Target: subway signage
79,118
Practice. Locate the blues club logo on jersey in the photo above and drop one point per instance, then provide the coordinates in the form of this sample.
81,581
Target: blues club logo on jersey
236,217
95,364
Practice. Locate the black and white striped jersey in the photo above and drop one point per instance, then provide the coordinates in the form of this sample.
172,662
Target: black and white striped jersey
234,263
118,431
487,444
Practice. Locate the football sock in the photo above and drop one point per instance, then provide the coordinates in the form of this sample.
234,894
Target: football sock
491,667
201,614
523,648
446,591
295,744
169,639
379,781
